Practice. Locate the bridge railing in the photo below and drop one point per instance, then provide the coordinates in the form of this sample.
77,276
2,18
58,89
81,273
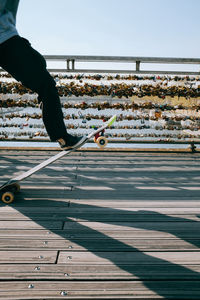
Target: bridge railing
135,62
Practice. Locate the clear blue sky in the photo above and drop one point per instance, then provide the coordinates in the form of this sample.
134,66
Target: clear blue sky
167,28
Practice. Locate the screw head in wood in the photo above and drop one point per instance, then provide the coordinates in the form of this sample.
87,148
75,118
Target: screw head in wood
63,293
31,286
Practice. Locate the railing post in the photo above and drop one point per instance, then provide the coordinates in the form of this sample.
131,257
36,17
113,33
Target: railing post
138,66
73,64
68,66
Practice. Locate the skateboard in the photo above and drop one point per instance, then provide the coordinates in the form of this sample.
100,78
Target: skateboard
10,188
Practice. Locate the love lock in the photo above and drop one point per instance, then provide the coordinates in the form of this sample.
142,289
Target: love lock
80,114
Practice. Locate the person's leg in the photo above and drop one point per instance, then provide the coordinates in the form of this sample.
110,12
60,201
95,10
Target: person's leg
28,66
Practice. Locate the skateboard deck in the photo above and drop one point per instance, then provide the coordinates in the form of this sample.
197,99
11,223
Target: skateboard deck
8,189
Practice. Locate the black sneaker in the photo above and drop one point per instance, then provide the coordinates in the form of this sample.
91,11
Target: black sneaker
70,141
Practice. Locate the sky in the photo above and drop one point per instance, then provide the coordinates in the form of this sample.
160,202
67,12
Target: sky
163,28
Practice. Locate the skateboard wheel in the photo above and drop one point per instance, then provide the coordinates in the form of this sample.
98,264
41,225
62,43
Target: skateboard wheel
102,141
7,197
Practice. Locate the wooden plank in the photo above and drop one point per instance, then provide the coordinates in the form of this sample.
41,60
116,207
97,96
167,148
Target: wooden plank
135,169
104,215
81,257
28,256
79,155
154,205
30,225
32,233
100,244
165,206
167,225
139,233
99,290
121,192
130,163
112,217
74,205
95,272
101,159
40,216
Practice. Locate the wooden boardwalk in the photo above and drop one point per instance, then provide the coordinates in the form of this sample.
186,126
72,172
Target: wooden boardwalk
102,226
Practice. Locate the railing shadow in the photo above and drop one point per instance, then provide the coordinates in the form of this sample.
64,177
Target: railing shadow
188,287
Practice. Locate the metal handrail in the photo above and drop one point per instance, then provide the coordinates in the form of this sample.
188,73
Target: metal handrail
70,61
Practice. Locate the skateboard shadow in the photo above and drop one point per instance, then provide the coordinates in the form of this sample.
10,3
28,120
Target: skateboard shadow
180,280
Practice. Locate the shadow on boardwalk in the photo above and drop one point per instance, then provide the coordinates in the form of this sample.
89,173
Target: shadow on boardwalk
189,288
116,177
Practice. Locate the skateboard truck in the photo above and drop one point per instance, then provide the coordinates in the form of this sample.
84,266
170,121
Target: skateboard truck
100,139
8,194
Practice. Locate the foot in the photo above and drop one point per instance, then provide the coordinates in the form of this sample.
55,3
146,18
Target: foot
70,141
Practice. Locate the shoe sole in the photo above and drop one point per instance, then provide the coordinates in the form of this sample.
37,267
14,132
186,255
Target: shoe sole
77,145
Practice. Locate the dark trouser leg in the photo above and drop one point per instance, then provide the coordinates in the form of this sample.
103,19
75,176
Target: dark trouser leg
28,66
